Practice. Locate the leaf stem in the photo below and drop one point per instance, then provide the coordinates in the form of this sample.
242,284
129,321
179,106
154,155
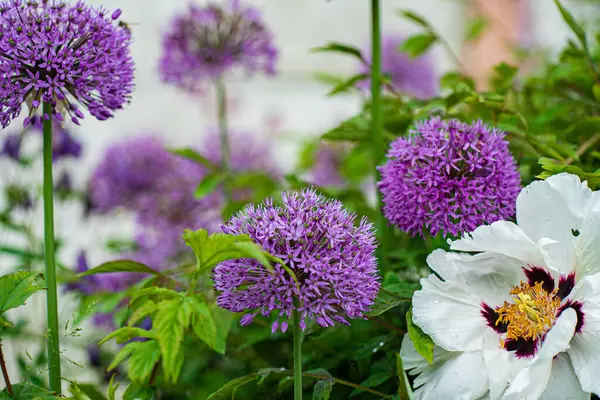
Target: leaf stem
588,144
9,388
223,132
297,353
377,142
49,255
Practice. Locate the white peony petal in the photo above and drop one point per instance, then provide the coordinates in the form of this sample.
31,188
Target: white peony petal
587,245
448,313
498,363
530,382
563,383
488,276
502,237
585,346
451,376
551,209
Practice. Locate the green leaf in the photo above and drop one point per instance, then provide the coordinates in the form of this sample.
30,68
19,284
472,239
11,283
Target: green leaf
17,287
416,45
355,129
170,323
122,335
223,320
475,27
90,391
123,354
334,47
213,249
422,342
372,381
148,308
322,389
136,392
208,184
203,322
255,251
158,292
193,155
404,389
112,387
348,84
142,361
452,79
573,24
120,266
596,90
29,391
264,374
230,387
415,18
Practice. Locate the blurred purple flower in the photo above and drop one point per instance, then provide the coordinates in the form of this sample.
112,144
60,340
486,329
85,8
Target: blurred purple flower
327,164
332,258
62,54
413,76
206,42
449,176
12,146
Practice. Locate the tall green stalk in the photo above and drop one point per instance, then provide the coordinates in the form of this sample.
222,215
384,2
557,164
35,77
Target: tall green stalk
51,294
377,142
223,132
297,355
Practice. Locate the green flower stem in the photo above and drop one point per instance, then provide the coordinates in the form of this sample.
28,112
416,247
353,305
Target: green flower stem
297,355
377,142
9,388
51,294
223,132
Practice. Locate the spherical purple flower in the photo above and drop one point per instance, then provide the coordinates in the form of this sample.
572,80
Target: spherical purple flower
449,176
206,42
413,76
316,238
64,55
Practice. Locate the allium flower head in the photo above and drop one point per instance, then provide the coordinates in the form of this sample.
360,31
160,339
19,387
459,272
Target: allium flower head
449,176
206,42
514,310
316,238
65,55
413,76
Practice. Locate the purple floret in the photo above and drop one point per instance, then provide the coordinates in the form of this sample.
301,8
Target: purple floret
412,76
206,42
332,258
65,55
449,176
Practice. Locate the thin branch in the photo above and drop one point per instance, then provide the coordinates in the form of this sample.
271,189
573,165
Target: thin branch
5,373
588,144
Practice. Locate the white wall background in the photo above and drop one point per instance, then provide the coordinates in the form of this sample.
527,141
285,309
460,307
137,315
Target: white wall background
291,103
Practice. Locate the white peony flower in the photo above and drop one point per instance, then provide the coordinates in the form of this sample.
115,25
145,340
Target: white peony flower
517,314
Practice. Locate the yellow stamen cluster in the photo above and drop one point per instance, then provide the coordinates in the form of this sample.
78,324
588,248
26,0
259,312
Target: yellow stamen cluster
532,314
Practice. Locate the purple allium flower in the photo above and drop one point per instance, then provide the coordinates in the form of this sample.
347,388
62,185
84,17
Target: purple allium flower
62,54
449,176
332,258
327,164
12,146
206,42
413,76
128,171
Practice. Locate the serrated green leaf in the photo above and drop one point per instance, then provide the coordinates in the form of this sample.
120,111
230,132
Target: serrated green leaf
355,129
203,322
213,249
208,184
415,18
158,292
142,361
225,391
146,309
223,320
422,342
112,387
29,391
416,45
89,390
17,287
120,266
255,251
170,323
334,47
347,84
137,392
322,389
122,335
475,27
573,24
193,155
